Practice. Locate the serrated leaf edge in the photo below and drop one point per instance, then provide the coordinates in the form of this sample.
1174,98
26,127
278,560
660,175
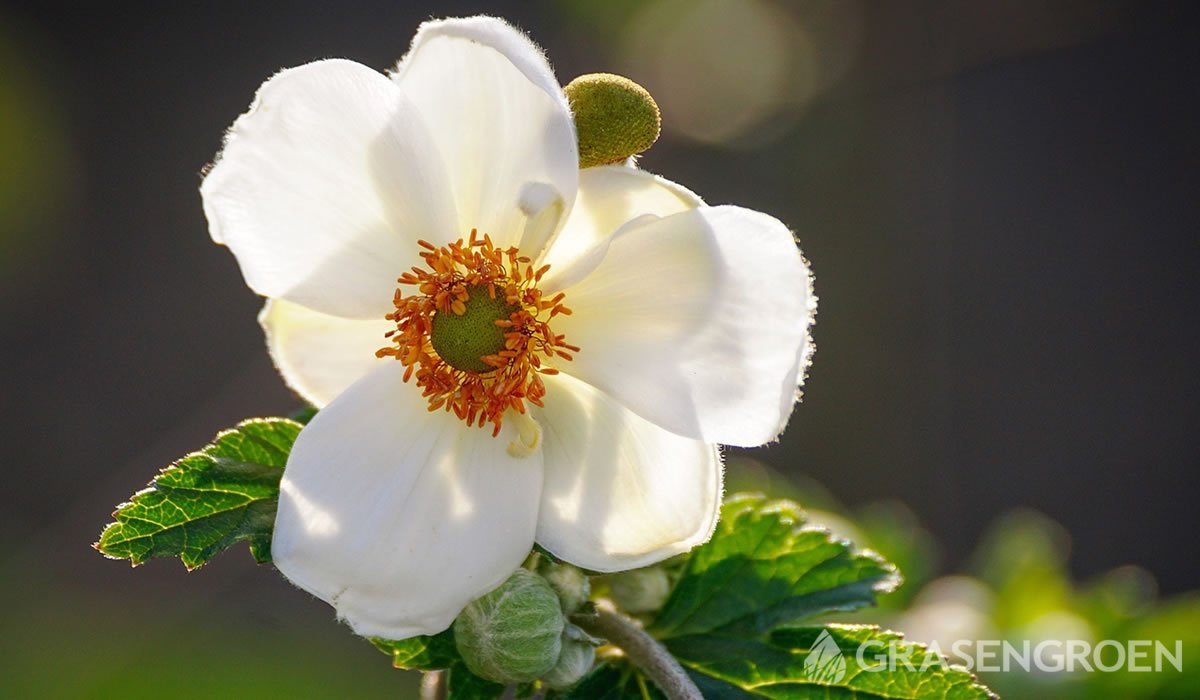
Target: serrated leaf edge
153,485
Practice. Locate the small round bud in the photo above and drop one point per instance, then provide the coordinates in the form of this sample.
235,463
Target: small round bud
514,633
568,582
578,655
640,590
615,118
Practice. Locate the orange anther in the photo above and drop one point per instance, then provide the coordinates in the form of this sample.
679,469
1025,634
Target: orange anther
477,398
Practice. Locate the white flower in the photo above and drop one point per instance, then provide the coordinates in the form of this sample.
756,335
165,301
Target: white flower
687,327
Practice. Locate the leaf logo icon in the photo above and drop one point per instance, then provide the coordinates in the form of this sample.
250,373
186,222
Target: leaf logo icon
825,663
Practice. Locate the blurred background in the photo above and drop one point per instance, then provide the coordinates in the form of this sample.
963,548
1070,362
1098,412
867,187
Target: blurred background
999,201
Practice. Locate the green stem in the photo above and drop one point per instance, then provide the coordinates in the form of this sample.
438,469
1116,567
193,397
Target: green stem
642,650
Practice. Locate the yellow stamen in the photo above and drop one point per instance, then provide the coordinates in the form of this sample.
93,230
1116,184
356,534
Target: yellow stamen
478,392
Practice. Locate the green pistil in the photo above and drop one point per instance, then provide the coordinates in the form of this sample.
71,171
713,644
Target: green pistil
462,341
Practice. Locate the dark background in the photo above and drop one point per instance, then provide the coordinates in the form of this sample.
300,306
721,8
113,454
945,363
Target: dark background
999,201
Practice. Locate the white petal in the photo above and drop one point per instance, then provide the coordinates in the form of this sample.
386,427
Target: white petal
698,322
320,355
399,517
324,187
620,492
497,115
609,197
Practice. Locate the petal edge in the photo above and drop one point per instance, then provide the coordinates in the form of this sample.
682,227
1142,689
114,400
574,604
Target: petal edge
399,517
699,322
318,355
498,117
620,492
324,186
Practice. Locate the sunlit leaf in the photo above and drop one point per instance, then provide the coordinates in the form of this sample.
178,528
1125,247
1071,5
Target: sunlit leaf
781,667
764,568
424,653
209,500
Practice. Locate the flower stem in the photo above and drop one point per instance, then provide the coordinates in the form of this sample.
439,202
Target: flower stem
433,685
642,650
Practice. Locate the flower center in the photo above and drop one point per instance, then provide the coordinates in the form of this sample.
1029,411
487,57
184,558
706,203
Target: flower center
463,340
476,334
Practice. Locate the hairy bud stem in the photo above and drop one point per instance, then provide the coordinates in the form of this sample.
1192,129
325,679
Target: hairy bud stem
642,650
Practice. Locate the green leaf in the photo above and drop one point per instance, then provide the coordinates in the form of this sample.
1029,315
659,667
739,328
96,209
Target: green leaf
439,653
424,653
763,569
207,501
612,681
464,685
731,620
304,414
797,664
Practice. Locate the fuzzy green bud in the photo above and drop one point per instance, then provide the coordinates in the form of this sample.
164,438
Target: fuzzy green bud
615,118
640,590
568,582
514,633
578,656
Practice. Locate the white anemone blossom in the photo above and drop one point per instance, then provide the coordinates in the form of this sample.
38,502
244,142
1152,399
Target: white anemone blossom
505,350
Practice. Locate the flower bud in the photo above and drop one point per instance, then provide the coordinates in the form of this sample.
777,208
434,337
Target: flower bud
568,582
578,655
514,633
640,590
615,118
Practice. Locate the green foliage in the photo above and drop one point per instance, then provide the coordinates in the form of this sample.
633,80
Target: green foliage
1018,589
1177,619
209,500
731,616
778,668
304,414
437,653
461,684
1022,590
763,568
732,619
614,681
424,653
